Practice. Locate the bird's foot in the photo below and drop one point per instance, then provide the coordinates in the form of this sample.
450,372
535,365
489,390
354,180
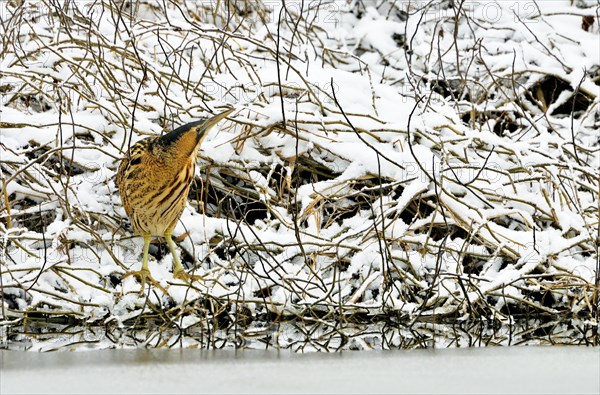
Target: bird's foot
144,277
181,274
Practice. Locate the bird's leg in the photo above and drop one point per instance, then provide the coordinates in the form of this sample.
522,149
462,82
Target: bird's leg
178,270
144,274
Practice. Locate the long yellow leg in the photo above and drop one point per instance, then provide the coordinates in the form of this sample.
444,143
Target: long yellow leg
178,270
144,274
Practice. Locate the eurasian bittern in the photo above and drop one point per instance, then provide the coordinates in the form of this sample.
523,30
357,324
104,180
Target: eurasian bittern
154,179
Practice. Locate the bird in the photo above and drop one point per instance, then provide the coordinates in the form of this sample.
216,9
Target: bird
154,179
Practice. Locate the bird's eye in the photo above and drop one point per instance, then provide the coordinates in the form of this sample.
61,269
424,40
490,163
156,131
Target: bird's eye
136,161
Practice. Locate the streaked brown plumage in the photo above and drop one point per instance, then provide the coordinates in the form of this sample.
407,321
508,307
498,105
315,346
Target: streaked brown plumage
154,179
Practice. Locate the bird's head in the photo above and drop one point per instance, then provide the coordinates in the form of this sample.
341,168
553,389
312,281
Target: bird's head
184,140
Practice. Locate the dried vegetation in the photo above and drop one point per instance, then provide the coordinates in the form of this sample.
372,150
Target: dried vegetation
423,171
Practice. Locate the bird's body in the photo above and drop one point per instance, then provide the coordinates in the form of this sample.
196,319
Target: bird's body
154,179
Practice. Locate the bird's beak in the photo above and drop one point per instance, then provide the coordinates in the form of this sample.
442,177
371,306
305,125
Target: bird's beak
210,122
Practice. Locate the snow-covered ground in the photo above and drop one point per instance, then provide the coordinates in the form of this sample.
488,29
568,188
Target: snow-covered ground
387,158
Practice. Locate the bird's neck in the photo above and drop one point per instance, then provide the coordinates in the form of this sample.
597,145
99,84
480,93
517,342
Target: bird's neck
187,144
